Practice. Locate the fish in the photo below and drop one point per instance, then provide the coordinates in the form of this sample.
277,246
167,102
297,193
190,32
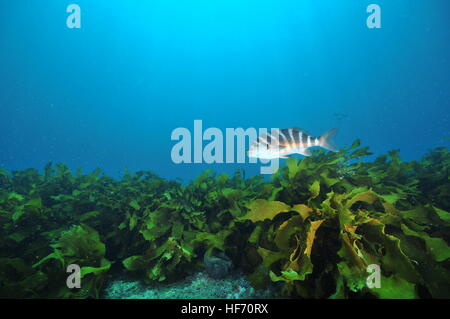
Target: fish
285,142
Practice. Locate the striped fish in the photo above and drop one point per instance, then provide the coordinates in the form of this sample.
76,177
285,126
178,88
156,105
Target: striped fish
282,143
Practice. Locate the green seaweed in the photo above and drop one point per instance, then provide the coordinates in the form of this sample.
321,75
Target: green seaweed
313,228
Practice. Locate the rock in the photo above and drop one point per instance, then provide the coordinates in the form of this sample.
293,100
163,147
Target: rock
217,267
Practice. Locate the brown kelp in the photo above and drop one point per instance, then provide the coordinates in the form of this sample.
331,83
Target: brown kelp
314,228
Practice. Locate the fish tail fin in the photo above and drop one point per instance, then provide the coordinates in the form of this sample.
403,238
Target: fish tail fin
326,140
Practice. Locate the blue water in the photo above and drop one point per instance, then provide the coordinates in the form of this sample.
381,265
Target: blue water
109,94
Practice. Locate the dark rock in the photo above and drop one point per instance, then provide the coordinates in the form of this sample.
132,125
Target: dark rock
217,267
